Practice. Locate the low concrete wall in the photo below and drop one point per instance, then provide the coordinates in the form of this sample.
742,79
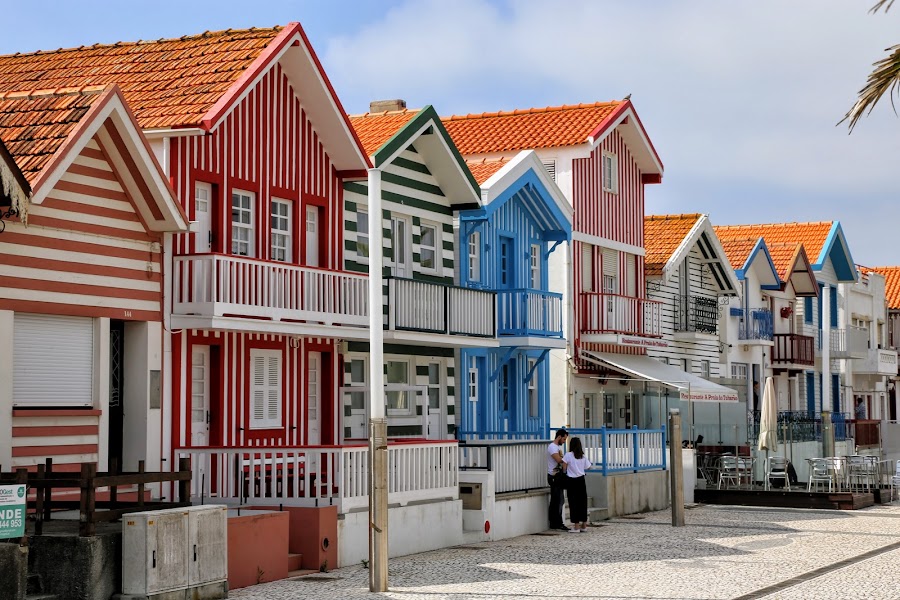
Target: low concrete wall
257,547
411,529
503,517
77,568
629,493
13,571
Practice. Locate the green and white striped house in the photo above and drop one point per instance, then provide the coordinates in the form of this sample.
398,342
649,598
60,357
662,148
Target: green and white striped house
426,317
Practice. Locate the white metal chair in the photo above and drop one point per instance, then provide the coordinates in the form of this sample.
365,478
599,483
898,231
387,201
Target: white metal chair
820,471
776,468
729,471
861,472
895,480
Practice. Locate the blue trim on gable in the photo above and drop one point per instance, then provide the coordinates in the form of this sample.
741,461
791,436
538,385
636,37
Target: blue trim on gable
836,249
760,247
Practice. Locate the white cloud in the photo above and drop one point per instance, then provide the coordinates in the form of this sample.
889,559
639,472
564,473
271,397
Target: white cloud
733,94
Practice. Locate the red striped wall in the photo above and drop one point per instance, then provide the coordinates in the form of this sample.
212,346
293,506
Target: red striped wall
268,146
69,437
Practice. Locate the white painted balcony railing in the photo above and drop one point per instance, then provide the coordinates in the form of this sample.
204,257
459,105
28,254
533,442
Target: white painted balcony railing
851,341
611,313
517,466
878,362
321,475
213,285
437,308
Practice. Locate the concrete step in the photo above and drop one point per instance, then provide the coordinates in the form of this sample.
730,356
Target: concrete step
598,513
294,561
300,572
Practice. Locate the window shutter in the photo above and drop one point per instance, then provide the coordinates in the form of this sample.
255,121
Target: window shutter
587,267
265,388
610,262
273,398
631,274
53,360
550,165
259,393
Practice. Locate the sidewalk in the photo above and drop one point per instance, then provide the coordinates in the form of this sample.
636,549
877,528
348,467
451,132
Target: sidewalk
723,552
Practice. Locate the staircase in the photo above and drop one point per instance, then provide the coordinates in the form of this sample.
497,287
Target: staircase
595,513
34,589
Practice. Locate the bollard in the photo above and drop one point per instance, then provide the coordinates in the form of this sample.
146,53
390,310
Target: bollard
677,474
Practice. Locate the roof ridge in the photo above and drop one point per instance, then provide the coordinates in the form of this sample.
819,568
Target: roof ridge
527,111
205,34
673,217
385,113
486,160
61,91
783,224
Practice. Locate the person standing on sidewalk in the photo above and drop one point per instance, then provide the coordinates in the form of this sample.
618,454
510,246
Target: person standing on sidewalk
556,479
576,464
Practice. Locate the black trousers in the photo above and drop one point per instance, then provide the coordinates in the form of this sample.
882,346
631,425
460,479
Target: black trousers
555,511
577,492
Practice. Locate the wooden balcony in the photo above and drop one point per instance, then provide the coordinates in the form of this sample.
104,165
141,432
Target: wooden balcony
613,314
215,290
425,307
527,312
793,349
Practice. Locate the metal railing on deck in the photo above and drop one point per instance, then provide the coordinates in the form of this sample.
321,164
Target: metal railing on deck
698,314
623,450
529,312
801,426
757,325
612,313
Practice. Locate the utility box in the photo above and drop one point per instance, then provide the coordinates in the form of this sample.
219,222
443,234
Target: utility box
470,494
166,551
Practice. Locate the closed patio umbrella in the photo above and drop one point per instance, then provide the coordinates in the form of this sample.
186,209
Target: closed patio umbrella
768,420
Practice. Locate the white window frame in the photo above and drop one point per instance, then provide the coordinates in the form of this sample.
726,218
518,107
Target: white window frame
434,248
438,387
534,401
281,230
271,390
240,226
704,369
474,253
473,379
406,236
534,257
408,388
610,173
740,371
362,233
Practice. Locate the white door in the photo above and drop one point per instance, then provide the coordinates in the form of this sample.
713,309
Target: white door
400,245
312,236
202,199
433,395
313,397
200,396
591,420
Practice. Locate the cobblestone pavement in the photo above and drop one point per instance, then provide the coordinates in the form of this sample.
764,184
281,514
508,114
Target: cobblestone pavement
723,552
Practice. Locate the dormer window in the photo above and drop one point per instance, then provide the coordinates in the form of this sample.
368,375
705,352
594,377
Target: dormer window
610,173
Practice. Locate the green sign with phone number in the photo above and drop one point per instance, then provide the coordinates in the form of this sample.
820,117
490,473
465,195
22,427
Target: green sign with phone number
12,511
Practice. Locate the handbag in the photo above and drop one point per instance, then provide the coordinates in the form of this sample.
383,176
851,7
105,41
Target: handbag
559,476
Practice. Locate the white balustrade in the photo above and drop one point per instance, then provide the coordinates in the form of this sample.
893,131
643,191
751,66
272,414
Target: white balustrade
216,285
321,475
516,466
437,308
471,312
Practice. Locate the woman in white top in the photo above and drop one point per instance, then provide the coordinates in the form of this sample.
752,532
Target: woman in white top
576,464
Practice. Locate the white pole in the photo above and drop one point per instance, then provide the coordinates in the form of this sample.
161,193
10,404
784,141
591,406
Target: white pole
378,492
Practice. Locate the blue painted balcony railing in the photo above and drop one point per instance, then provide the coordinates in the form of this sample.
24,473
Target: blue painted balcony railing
528,312
758,325
623,450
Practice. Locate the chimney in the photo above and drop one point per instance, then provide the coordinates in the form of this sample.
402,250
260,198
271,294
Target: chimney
378,106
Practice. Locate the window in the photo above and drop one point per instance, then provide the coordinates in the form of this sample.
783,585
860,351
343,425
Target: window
533,404
704,369
400,240
358,380
808,309
610,173
504,388
434,386
428,247
475,256
473,379
362,235
397,386
242,223
52,360
535,266
281,230
587,268
739,371
265,389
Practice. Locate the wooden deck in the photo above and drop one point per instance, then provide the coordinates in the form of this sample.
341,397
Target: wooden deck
796,498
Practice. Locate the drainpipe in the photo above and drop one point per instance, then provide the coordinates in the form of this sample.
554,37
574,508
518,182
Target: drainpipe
378,450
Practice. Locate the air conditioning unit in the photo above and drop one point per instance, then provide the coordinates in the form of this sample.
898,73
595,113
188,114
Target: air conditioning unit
176,549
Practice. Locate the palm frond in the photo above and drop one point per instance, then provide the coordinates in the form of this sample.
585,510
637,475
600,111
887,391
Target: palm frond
884,79
885,4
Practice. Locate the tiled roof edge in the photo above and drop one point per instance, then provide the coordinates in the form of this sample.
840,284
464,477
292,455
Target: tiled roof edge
527,111
63,91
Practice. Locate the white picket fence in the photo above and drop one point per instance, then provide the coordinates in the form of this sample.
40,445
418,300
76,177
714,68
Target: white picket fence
321,475
517,465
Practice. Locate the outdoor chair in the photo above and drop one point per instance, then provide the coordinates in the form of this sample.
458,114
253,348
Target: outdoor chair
821,470
776,468
895,480
729,471
861,472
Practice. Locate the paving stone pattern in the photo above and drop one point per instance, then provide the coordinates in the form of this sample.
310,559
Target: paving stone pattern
723,552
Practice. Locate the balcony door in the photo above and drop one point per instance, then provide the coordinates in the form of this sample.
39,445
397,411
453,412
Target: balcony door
202,217
200,396
314,398
506,268
312,236
401,242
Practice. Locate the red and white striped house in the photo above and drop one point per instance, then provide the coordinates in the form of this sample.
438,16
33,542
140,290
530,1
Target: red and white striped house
86,212
601,158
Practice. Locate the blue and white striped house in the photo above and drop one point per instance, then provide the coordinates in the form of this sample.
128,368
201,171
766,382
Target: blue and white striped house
506,243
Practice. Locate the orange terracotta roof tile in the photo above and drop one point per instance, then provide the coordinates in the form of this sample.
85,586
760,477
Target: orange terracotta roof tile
737,249
548,127
891,285
662,236
34,124
166,82
811,235
483,169
783,257
374,129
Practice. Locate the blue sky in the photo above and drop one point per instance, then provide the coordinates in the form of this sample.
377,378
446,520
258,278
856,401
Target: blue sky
741,99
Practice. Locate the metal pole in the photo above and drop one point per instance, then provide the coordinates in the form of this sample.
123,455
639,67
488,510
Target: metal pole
677,475
827,434
378,450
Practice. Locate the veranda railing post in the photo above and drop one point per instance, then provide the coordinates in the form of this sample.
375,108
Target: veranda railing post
635,448
603,455
87,500
39,501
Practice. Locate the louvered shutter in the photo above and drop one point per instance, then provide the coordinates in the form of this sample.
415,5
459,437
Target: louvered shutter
53,360
550,165
265,388
631,276
610,271
587,268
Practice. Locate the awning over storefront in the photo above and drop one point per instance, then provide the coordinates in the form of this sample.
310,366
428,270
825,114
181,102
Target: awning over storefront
689,387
